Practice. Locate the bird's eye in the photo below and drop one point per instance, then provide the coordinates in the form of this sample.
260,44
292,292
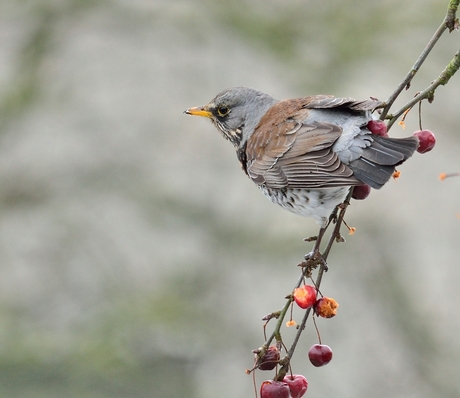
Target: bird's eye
223,110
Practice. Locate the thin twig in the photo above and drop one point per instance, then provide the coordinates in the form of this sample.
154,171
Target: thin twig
282,314
451,19
333,238
410,75
450,22
428,93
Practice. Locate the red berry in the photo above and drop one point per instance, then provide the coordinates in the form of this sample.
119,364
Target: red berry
298,385
361,192
274,389
426,140
305,296
377,127
320,354
270,359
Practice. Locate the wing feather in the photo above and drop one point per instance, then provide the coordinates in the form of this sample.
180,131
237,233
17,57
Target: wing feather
283,152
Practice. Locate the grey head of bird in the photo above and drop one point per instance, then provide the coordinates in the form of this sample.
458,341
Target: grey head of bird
236,112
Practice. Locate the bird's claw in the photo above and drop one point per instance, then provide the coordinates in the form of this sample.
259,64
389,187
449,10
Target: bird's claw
315,258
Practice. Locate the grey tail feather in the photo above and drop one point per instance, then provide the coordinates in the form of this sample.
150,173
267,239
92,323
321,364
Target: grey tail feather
378,161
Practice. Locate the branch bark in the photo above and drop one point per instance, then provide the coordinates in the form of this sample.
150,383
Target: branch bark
334,237
450,23
428,93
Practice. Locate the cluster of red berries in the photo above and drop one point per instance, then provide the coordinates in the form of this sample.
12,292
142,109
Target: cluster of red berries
326,307
426,139
305,297
293,385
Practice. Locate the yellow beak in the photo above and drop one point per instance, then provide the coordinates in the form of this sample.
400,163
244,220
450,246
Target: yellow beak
199,111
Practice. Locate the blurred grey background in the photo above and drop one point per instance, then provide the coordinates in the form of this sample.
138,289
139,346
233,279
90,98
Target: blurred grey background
137,259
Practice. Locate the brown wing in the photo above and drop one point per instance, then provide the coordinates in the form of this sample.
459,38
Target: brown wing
284,152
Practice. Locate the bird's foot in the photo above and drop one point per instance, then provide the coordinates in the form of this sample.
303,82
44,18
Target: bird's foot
314,259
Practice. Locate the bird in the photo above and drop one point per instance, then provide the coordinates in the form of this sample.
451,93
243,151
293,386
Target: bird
305,154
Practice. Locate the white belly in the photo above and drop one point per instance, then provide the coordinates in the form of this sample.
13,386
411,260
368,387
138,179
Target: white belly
315,203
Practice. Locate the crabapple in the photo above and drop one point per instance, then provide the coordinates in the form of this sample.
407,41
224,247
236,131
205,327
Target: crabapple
274,389
270,358
320,354
305,296
377,127
426,139
361,192
298,385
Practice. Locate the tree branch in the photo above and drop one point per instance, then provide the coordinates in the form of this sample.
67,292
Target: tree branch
428,93
450,22
334,237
